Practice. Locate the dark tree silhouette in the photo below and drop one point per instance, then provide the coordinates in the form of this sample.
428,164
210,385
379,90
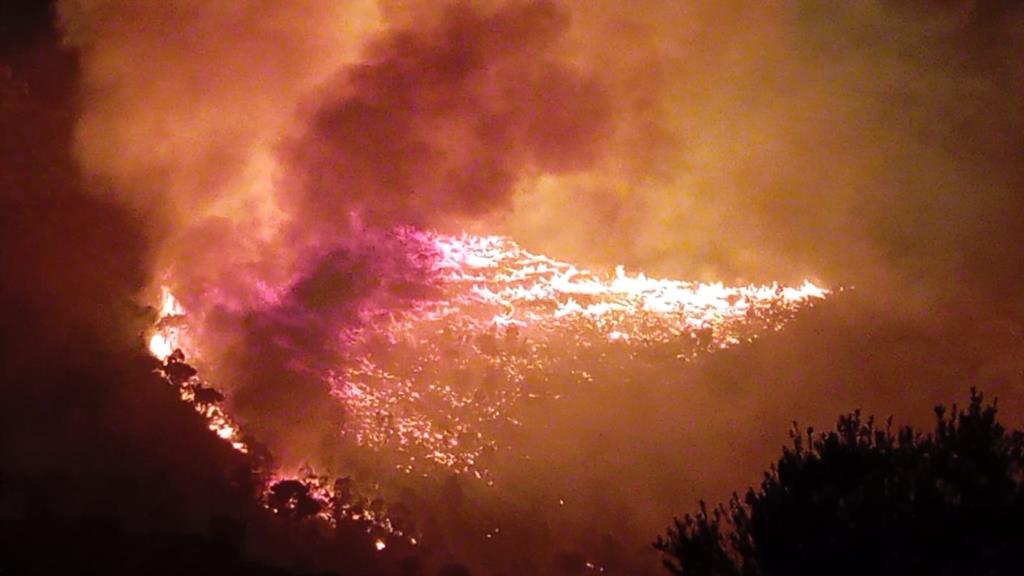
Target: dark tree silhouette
865,499
292,498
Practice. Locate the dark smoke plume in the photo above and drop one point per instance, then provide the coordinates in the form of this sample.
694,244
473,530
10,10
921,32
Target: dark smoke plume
446,117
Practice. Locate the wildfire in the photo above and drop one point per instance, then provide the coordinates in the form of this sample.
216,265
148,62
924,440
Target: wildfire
435,379
440,379
167,336
437,382
166,344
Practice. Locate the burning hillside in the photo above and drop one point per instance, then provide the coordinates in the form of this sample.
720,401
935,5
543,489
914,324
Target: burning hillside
451,351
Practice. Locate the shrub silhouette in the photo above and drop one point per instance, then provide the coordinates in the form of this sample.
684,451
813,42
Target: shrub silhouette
865,499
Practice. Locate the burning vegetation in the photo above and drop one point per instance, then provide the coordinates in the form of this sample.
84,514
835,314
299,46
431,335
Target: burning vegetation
451,353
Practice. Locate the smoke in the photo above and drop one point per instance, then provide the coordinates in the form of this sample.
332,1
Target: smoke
239,130
445,117
869,143
874,144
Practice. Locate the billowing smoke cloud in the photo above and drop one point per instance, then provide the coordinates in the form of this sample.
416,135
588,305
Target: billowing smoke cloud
874,144
445,117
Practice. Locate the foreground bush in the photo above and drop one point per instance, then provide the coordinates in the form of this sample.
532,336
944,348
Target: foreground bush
865,499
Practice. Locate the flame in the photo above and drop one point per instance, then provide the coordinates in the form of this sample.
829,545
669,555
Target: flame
520,316
507,315
169,305
435,380
162,344
166,344
167,336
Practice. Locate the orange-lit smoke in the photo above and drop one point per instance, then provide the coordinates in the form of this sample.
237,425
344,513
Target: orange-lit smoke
870,143
875,144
